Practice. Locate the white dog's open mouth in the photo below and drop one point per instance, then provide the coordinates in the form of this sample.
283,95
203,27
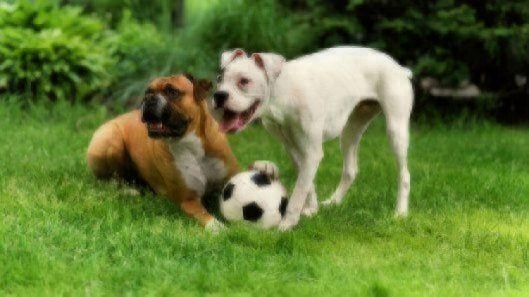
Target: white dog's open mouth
233,122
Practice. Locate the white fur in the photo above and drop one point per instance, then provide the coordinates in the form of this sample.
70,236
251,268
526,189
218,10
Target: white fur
267,167
214,226
313,99
197,169
227,57
161,105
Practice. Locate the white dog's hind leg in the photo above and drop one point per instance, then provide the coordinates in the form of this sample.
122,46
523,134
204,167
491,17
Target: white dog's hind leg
349,141
397,109
398,136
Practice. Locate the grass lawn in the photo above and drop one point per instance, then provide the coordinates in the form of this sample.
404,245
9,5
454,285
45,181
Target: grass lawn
64,233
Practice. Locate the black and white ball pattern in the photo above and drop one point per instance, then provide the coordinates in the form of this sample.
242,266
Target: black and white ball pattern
253,197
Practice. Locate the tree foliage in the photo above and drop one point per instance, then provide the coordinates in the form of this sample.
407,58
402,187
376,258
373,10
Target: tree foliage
112,47
486,42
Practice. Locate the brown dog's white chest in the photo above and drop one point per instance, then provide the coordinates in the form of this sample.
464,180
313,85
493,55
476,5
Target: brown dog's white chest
197,169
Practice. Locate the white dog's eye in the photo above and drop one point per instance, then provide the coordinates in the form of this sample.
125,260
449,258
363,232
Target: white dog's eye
244,81
219,78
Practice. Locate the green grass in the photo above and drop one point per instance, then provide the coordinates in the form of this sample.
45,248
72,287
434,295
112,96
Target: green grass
64,233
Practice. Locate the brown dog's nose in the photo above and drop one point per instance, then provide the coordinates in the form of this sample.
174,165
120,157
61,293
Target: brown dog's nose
150,109
220,98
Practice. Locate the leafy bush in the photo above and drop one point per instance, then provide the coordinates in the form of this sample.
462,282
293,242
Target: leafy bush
441,38
253,25
142,52
51,52
486,42
165,14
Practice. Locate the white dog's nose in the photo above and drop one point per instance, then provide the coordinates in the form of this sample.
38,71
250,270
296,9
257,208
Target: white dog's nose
219,98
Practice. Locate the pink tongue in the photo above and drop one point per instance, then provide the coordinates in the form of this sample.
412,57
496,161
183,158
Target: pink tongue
232,124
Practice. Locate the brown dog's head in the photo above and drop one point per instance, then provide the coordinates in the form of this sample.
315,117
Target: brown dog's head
172,104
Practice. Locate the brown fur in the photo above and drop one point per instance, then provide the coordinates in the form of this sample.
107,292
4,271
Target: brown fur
122,148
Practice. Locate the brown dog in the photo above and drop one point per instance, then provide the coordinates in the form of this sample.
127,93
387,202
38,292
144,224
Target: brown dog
173,144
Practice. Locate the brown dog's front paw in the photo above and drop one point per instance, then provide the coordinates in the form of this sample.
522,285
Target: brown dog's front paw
266,167
214,226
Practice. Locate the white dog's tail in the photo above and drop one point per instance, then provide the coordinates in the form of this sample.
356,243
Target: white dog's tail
408,72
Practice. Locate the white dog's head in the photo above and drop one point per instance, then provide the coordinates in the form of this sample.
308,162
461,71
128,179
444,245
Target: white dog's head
243,87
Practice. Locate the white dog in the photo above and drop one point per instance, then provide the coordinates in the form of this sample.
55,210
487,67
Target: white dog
317,97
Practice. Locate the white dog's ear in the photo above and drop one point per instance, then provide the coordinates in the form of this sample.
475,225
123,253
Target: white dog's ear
231,55
272,64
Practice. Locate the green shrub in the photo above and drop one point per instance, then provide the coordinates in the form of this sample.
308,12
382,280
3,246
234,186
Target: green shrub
167,15
51,52
252,25
142,52
486,42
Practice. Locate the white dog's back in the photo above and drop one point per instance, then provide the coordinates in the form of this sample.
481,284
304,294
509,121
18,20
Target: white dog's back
358,57
335,80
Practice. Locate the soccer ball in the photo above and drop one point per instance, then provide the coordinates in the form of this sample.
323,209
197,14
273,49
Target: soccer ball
254,197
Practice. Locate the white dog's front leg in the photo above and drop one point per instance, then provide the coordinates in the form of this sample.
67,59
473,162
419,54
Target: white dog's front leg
306,173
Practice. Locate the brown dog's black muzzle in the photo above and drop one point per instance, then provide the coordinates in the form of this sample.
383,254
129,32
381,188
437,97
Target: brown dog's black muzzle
176,122
151,109
163,119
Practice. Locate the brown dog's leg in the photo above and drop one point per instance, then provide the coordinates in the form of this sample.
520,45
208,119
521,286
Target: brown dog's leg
106,155
194,208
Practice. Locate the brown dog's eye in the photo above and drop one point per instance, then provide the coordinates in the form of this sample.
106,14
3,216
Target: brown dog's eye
171,92
244,81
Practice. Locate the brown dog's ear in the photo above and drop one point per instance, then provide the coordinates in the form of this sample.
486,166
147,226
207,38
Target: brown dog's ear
201,87
190,77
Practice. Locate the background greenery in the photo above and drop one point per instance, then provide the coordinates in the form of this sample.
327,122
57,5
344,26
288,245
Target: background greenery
108,49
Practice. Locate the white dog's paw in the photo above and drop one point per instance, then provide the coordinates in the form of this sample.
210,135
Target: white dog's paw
329,202
288,222
401,213
309,210
266,167
214,226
